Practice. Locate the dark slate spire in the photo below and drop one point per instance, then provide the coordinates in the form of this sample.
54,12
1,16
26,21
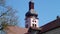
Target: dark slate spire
31,5
31,11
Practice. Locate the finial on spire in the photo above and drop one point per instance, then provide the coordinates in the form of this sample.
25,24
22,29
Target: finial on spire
31,0
31,5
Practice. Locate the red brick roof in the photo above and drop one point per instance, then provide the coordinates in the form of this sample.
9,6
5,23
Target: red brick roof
47,27
51,25
16,30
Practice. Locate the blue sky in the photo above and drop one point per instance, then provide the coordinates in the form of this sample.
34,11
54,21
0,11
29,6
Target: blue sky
47,10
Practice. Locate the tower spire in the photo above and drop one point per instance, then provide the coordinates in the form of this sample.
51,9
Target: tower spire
31,5
31,19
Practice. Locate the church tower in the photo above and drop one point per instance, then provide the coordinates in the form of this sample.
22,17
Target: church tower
31,19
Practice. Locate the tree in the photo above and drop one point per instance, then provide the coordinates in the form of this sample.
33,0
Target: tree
7,17
2,2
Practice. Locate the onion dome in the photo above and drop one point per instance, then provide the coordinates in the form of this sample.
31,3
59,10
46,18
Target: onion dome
31,13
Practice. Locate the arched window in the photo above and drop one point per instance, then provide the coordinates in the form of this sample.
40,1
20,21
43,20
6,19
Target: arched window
35,25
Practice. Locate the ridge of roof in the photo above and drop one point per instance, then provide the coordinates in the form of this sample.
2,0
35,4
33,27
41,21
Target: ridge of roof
51,25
